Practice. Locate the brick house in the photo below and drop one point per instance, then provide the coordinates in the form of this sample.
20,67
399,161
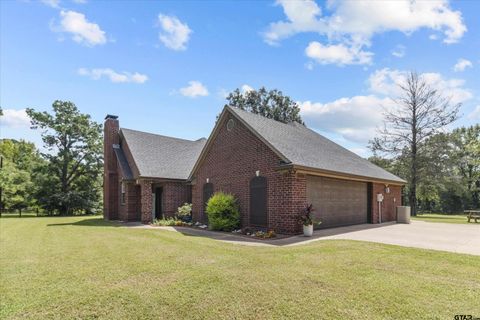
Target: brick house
272,168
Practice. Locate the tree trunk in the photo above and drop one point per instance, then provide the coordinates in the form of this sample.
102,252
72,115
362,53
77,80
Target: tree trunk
413,169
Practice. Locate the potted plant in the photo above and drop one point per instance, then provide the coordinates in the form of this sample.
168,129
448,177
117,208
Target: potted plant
307,220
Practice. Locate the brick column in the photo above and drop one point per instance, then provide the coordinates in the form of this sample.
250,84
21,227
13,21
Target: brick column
146,199
110,167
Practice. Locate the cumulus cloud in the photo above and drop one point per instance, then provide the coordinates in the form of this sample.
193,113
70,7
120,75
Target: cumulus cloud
194,89
357,118
462,64
116,77
15,118
354,118
174,34
82,30
337,54
386,81
347,29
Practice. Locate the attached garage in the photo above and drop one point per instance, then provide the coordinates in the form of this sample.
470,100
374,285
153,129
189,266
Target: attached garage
338,202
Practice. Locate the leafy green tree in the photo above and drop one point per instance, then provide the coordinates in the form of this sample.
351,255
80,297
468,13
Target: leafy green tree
449,177
74,144
420,112
466,146
17,177
271,104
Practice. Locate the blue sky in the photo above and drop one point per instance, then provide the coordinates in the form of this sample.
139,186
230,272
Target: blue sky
165,67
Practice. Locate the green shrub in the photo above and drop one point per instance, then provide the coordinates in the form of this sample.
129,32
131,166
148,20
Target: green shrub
167,222
185,211
222,212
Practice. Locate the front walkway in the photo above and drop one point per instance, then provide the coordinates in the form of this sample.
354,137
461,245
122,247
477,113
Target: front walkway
459,238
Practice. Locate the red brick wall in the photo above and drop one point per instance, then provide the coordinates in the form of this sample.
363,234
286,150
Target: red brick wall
230,164
110,168
130,210
146,198
174,195
390,202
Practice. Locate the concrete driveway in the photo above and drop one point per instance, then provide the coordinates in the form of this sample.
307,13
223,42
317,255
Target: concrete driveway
459,238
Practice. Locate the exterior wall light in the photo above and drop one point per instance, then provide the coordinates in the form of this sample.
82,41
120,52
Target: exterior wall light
257,173
208,180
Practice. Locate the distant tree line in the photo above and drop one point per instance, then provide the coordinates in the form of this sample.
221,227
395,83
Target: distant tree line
442,168
66,178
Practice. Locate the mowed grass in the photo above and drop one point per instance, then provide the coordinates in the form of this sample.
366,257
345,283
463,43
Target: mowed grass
87,268
444,218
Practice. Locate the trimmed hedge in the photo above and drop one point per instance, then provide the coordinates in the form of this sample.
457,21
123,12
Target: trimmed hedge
222,212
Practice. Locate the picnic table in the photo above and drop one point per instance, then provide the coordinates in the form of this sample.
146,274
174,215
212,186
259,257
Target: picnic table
473,214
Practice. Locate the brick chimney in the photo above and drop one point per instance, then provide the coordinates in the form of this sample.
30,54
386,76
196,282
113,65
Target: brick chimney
111,129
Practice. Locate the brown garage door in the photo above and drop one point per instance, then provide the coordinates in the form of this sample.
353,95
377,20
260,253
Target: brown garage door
337,202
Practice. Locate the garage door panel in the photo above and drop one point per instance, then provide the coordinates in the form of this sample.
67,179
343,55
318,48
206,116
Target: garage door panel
337,202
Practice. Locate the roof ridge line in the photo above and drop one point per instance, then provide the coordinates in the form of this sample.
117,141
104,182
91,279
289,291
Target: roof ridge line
161,135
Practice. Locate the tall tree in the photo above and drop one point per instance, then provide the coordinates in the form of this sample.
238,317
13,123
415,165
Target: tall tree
420,112
17,177
271,104
74,156
466,145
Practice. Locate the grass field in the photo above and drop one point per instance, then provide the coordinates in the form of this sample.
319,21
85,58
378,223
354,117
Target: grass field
87,268
445,218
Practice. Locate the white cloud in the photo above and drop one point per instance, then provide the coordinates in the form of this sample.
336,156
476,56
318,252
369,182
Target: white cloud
357,118
245,88
352,24
475,114
15,118
52,3
462,64
386,81
80,1
82,30
116,77
194,89
174,34
354,118
399,51
337,54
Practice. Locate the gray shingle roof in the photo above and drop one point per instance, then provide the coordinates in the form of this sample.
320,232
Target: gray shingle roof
159,156
306,148
122,160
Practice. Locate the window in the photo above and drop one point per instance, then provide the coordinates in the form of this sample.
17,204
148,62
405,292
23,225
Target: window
122,197
230,124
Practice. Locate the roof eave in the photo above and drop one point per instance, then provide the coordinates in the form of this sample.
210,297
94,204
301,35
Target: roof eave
338,175
160,178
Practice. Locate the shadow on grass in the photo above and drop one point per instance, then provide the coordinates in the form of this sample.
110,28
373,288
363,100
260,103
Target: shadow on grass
280,240
91,222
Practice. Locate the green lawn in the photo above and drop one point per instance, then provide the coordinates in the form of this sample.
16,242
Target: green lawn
87,268
445,218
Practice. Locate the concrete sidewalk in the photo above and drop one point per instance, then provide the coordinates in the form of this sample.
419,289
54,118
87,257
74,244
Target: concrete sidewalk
458,238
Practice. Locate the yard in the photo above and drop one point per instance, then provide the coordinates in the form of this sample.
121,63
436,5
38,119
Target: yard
445,218
78,267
